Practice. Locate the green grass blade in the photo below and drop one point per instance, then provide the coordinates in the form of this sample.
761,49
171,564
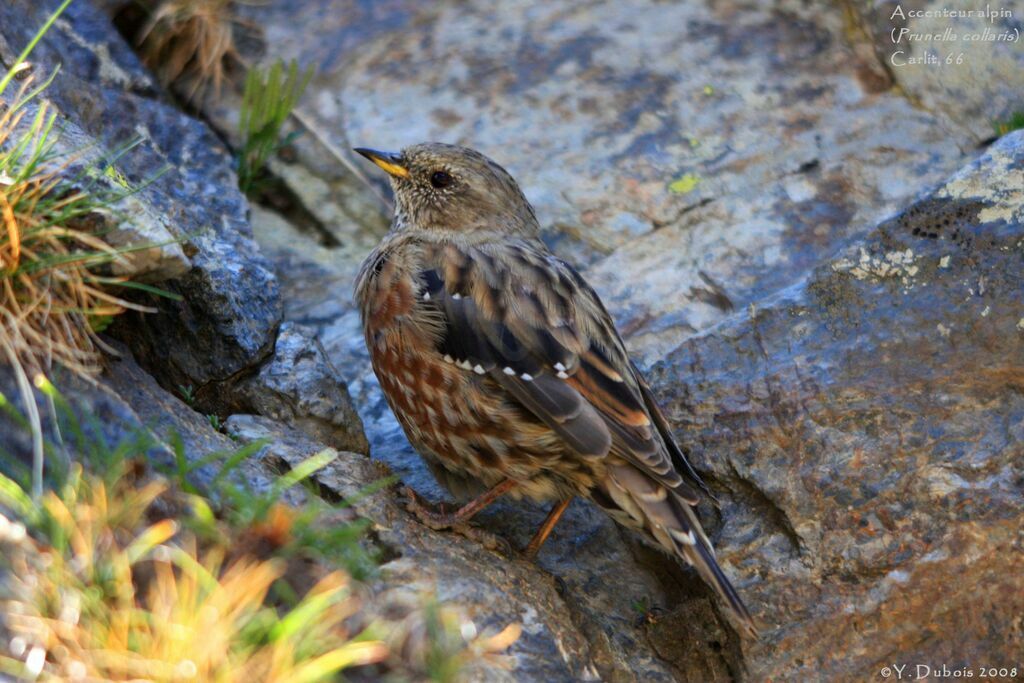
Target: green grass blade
14,497
6,80
305,469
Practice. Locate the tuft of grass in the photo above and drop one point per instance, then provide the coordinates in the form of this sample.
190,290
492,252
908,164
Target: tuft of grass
1014,122
107,595
56,281
121,576
268,100
20,64
188,44
187,394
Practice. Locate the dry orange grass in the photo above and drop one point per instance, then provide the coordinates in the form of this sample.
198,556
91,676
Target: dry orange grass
188,43
115,598
53,269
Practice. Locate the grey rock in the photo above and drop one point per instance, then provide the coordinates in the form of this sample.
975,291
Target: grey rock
964,65
863,428
123,405
301,388
91,409
227,318
173,422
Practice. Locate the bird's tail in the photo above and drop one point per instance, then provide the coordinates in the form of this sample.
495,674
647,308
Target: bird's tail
671,521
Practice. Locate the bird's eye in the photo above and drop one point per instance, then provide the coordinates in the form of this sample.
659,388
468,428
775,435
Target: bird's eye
440,179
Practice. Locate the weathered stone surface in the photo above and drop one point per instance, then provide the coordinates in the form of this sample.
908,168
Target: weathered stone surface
865,430
301,388
170,420
99,413
231,308
81,160
696,154
968,70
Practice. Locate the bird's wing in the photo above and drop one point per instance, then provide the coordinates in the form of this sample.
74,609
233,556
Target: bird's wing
679,458
516,313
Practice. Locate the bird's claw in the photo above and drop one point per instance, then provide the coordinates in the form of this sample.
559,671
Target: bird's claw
429,514
487,539
434,516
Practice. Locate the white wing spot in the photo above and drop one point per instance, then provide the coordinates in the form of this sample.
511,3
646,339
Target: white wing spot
562,375
509,371
456,296
448,359
559,367
478,369
426,296
528,377
688,538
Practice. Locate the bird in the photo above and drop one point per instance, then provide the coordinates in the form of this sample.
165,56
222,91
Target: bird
504,368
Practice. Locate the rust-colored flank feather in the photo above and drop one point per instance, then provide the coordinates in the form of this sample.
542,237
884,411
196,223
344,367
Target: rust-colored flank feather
502,364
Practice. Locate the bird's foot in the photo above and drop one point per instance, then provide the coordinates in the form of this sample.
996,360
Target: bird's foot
435,516
438,518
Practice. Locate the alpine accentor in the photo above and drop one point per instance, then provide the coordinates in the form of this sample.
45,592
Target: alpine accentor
505,369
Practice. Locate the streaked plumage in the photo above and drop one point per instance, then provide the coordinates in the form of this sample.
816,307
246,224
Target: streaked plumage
501,362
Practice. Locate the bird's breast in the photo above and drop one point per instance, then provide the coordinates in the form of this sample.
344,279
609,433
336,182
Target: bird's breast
453,412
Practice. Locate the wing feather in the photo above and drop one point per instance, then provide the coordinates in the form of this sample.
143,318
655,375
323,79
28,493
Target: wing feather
679,458
546,339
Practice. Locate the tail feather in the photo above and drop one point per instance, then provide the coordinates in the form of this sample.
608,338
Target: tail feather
671,521
703,559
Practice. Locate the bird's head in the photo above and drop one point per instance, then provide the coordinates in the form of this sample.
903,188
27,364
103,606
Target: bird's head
453,189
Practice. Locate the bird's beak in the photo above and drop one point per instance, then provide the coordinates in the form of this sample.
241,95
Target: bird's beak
391,162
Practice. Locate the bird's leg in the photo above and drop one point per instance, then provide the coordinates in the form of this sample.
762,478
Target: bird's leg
446,520
546,528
